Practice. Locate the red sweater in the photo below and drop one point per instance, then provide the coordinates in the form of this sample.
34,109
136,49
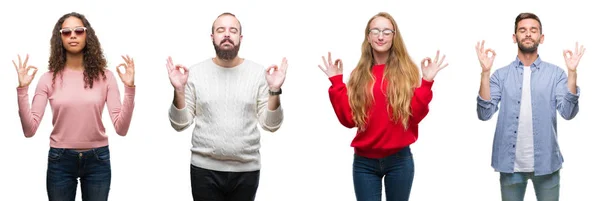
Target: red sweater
382,137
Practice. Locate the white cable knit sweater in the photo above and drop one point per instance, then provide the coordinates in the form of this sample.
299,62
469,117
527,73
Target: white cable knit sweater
226,105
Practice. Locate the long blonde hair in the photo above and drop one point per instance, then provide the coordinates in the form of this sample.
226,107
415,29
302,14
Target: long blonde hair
400,72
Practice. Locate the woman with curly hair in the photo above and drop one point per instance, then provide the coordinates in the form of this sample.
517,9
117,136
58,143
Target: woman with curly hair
385,99
78,85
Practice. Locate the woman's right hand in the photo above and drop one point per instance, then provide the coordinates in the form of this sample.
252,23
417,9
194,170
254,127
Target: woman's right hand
332,69
178,78
23,71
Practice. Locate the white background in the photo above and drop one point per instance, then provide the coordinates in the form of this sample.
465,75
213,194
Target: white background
309,158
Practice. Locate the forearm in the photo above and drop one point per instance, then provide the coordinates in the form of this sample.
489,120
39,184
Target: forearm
122,120
484,86
274,101
30,116
572,82
179,98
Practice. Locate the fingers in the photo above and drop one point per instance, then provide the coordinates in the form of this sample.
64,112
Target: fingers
128,61
339,64
481,46
437,55
26,59
20,63
443,66
324,62
567,54
179,67
329,59
119,69
581,49
15,64
441,60
323,69
284,64
271,68
427,59
35,69
487,52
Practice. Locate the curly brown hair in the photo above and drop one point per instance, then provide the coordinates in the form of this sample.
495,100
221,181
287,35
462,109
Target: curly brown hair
94,61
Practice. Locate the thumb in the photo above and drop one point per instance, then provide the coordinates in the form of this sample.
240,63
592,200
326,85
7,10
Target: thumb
35,69
272,67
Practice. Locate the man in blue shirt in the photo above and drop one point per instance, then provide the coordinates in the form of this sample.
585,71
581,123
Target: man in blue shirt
525,141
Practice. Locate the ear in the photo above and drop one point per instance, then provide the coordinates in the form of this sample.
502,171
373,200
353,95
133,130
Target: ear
514,38
241,37
542,39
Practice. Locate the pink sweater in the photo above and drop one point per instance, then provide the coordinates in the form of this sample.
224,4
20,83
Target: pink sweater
76,111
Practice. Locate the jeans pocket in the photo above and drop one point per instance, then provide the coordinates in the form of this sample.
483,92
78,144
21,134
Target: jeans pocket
102,155
54,154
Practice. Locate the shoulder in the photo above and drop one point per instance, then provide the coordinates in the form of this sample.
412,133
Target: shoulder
202,65
109,74
551,66
253,65
501,72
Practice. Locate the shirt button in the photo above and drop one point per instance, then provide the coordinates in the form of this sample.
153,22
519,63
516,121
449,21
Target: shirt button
518,102
517,117
513,146
515,131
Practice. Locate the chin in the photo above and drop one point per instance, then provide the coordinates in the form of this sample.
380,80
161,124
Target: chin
381,49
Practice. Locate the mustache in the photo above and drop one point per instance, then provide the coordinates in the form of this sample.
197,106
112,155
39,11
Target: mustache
226,40
527,39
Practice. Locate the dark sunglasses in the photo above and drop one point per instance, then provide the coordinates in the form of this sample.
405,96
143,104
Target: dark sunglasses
78,31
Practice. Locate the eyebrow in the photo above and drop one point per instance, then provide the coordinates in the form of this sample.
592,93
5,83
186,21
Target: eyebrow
526,28
225,27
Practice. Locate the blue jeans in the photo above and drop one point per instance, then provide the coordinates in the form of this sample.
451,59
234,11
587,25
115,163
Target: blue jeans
397,171
513,186
92,167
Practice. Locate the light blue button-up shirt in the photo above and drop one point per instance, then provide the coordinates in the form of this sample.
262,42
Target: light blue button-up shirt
549,93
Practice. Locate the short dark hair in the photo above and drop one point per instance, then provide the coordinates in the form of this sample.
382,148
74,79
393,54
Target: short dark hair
222,14
523,16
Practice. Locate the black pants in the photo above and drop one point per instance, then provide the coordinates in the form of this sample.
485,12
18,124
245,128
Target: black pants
210,185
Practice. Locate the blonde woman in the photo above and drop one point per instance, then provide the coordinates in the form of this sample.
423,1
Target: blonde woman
385,99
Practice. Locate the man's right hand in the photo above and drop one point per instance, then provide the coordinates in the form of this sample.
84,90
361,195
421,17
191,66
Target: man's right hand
177,77
485,60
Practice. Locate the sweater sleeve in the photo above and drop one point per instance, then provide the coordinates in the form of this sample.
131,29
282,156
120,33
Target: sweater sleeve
338,95
420,101
270,120
120,114
182,118
31,116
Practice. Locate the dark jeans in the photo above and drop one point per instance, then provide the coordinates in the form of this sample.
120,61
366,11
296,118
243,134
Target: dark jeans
210,185
92,167
396,170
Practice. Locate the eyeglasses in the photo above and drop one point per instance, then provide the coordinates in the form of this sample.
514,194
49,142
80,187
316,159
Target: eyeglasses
78,31
386,32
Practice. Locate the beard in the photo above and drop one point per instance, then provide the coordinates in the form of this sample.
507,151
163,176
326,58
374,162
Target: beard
227,54
530,49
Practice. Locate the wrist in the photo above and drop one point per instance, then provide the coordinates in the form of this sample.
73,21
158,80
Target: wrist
275,91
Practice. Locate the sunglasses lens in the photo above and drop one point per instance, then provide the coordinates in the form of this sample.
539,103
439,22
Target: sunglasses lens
79,31
65,32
